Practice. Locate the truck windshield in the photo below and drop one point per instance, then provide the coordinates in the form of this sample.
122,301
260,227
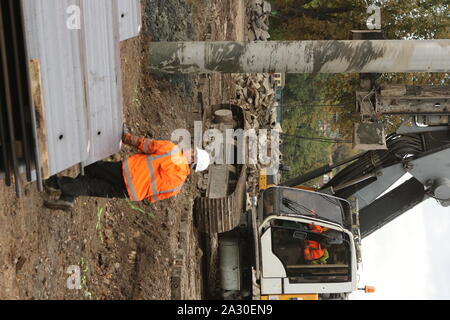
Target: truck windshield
300,202
310,255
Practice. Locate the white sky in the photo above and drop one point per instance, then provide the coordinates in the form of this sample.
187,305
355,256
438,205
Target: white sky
409,258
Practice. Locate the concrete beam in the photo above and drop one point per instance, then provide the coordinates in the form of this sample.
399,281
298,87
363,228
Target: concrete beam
346,56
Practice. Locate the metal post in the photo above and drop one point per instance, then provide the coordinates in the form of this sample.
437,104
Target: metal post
390,206
414,100
346,56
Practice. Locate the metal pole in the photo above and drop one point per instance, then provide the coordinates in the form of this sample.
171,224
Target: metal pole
337,56
414,100
390,206
317,172
321,139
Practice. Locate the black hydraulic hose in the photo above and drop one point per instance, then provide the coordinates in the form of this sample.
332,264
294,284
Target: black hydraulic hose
400,147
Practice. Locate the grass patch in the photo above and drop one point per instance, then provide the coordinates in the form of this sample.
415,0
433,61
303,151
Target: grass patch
98,226
84,280
136,208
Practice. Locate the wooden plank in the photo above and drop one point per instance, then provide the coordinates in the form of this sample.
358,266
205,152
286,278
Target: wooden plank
38,102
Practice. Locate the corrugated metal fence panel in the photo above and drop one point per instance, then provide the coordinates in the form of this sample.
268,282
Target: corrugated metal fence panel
77,43
103,78
130,19
57,47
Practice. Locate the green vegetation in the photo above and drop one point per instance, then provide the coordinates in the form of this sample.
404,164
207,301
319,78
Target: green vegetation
308,113
84,280
98,226
136,208
333,19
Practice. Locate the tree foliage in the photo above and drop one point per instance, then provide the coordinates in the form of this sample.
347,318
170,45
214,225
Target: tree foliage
305,116
333,20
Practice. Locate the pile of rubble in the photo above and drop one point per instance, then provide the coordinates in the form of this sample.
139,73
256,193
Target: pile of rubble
255,93
258,13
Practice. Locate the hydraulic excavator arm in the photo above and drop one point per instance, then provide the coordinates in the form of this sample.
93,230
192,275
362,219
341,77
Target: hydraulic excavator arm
424,153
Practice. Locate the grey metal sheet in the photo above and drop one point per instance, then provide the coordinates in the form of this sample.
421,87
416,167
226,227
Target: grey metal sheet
81,78
130,20
58,50
432,167
389,176
103,78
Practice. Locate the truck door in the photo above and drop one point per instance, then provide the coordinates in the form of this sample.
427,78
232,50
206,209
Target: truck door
273,270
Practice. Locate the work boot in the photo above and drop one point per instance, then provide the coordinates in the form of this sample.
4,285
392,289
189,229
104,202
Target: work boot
51,184
63,203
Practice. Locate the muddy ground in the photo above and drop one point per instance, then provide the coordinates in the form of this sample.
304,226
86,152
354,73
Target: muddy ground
125,251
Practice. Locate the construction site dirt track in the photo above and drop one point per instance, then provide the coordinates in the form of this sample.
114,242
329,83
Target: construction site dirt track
124,250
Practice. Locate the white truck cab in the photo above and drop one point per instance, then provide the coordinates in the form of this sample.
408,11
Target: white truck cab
288,218
284,270
288,223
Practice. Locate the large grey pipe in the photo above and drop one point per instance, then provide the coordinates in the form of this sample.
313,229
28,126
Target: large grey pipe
360,56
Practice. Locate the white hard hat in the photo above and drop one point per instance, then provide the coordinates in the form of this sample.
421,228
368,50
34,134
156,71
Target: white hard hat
202,160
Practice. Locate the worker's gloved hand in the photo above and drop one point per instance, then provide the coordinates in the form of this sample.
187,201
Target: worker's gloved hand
128,138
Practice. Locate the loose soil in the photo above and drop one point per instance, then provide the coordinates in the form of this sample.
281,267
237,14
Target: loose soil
125,251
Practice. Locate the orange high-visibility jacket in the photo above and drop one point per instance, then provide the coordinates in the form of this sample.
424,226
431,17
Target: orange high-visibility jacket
157,173
313,250
316,228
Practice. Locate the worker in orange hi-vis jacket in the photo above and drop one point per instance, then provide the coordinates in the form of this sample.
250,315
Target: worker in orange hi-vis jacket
157,172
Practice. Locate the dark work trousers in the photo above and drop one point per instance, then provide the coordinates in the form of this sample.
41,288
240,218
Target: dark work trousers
101,179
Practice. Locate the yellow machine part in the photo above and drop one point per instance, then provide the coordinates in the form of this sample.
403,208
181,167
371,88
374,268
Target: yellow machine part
264,182
291,297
